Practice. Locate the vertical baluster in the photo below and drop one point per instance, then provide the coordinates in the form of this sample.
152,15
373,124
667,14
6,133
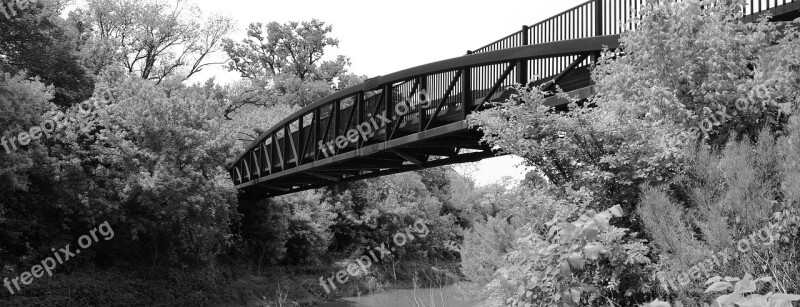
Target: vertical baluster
361,104
300,141
423,85
388,107
315,127
585,21
546,33
581,20
466,87
573,24
598,17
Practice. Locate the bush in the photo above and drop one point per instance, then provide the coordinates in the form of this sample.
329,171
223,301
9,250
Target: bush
723,201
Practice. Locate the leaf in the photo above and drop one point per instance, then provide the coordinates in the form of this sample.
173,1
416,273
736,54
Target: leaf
576,261
590,231
713,279
616,211
727,299
784,296
592,251
658,303
570,227
719,286
781,304
576,295
565,270
746,285
755,300
602,221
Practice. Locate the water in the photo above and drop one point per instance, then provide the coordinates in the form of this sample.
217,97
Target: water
451,296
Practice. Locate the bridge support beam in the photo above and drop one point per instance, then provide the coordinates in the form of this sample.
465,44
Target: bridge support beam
271,188
323,176
408,157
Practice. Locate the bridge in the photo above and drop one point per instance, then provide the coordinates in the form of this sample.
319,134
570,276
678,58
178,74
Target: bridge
416,118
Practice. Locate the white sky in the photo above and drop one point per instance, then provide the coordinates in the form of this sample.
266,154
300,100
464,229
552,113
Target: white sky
384,37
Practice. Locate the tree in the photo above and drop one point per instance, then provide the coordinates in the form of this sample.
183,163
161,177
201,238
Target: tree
154,39
154,163
26,214
283,64
40,43
712,74
292,49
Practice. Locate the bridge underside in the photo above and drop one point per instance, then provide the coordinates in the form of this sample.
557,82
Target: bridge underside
448,144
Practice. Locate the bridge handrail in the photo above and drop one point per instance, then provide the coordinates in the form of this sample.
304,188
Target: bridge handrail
528,30
612,14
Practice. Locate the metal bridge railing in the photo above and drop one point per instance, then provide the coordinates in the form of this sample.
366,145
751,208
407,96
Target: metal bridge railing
599,17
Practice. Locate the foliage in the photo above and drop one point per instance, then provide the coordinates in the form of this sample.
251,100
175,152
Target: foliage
264,230
147,163
684,63
586,261
689,64
483,247
725,199
744,293
309,226
282,64
154,39
294,48
588,168
39,43
573,150
24,172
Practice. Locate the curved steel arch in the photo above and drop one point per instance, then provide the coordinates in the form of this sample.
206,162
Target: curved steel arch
289,157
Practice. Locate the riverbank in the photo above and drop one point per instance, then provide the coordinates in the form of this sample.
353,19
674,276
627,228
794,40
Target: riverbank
223,285
300,286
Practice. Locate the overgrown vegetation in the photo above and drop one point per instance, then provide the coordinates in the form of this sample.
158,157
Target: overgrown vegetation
690,193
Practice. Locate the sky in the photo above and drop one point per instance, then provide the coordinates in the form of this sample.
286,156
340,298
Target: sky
384,37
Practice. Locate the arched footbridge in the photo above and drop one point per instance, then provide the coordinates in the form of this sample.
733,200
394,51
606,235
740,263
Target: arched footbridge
416,118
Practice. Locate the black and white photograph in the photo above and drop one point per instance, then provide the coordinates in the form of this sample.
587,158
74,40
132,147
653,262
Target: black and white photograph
537,153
